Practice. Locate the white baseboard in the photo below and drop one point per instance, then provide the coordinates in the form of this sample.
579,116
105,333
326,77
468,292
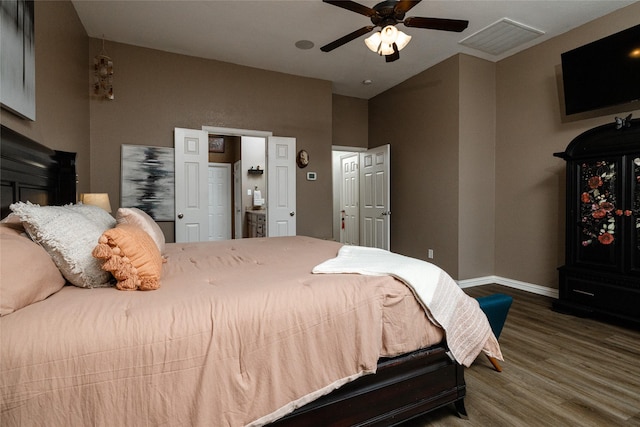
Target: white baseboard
478,281
516,284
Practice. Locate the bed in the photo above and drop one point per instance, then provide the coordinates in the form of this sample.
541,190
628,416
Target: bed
239,333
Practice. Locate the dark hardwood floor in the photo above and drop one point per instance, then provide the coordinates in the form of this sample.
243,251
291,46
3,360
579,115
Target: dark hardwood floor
559,370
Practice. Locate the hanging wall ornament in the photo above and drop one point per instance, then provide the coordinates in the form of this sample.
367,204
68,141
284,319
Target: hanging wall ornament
103,75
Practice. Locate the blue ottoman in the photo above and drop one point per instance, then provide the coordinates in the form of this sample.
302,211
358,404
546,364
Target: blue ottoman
496,307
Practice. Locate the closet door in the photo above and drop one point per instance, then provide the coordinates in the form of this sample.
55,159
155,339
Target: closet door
281,170
219,201
375,206
350,199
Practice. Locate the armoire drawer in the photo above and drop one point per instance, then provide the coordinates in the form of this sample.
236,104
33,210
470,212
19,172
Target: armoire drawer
604,296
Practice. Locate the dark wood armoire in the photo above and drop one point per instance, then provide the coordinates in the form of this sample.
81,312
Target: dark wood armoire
601,274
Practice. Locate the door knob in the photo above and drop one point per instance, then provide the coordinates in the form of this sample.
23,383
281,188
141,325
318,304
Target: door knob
292,213
386,213
180,216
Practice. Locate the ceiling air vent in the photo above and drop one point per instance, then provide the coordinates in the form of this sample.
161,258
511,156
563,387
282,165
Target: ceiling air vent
501,36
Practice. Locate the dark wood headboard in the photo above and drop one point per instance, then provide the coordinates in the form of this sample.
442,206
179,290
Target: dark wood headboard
35,173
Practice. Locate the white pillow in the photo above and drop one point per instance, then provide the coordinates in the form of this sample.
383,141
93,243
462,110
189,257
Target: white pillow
68,237
95,214
141,219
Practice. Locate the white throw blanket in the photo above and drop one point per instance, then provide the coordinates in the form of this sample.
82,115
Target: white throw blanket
466,327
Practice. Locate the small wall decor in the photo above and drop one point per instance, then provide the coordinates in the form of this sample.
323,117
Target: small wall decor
103,75
18,71
623,123
302,159
216,144
148,180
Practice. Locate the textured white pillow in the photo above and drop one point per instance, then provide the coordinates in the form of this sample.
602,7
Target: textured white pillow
139,218
68,237
95,214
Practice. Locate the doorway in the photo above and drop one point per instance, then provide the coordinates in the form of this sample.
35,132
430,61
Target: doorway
250,164
220,185
361,196
346,194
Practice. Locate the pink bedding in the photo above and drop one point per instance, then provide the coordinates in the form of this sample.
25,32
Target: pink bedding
240,332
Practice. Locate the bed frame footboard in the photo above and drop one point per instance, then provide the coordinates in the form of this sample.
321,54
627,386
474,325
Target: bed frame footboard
403,388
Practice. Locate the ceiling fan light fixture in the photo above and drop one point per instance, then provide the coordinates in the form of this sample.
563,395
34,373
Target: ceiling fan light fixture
386,15
381,42
373,42
386,49
389,34
402,40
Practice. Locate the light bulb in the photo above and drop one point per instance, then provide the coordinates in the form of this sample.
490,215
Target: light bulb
389,34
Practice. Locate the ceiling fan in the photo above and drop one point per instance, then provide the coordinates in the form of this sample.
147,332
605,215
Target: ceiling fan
386,15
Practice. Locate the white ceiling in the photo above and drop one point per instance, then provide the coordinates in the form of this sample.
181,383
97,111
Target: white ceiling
263,33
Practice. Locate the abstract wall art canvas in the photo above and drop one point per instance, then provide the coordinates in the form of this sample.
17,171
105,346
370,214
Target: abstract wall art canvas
148,180
17,58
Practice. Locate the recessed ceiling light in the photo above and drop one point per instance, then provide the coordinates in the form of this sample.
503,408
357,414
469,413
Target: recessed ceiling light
304,44
367,82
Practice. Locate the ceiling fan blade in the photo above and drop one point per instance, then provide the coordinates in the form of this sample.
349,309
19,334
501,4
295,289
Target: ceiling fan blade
346,39
456,25
403,6
352,6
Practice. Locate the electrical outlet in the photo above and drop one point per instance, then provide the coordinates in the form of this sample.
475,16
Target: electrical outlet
430,254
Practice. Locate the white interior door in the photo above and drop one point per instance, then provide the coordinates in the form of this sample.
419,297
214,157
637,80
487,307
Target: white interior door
375,207
191,164
281,186
219,201
349,203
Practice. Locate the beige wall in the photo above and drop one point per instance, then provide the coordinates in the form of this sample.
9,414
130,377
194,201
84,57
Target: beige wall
419,118
529,180
157,91
442,164
350,118
477,114
62,88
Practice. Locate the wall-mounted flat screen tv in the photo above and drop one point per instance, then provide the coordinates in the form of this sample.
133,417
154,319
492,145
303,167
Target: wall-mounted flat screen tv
603,73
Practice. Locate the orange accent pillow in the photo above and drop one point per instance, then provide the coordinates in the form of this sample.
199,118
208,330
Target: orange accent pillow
132,256
139,218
